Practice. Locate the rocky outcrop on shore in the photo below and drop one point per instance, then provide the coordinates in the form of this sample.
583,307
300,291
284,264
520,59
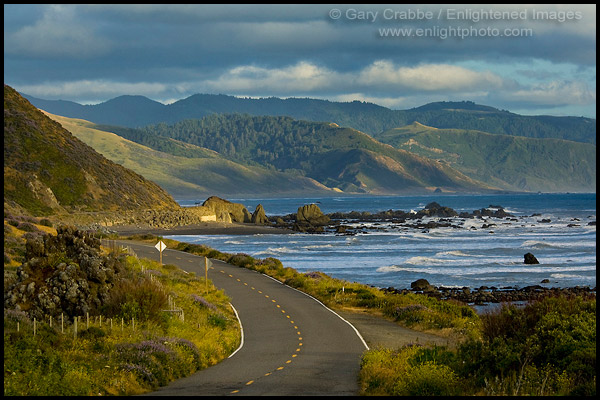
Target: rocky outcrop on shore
214,209
77,283
226,211
258,216
310,219
484,294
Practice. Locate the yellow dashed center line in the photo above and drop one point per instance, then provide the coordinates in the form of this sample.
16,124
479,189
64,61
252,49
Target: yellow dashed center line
291,321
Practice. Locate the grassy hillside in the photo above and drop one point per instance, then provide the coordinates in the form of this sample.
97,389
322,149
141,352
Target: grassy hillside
191,171
341,158
509,162
47,170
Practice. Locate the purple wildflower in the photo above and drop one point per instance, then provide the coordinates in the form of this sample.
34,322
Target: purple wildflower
201,300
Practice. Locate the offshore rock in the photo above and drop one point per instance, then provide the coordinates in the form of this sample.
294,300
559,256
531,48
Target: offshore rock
530,259
433,209
311,214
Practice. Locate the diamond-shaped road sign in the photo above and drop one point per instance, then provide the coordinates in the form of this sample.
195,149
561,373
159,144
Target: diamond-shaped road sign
160,246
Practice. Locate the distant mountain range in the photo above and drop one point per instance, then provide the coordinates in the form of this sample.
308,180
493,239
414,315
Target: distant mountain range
49,171
223,145
138,111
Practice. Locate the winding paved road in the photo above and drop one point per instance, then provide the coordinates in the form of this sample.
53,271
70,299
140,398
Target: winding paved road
292,344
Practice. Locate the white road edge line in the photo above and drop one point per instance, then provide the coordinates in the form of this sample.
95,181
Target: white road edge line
338,315
321,303
270,277
306,294
241,331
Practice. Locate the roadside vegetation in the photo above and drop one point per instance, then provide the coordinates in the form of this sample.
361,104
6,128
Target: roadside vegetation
547,347
131,346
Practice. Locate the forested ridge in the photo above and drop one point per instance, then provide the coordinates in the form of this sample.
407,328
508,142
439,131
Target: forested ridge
373,119
276,142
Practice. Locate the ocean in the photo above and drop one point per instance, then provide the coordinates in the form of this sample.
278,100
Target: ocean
555,228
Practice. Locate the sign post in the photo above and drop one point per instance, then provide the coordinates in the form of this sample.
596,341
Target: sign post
160,246
207,264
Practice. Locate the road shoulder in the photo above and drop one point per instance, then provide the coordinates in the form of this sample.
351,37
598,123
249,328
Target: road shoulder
380,332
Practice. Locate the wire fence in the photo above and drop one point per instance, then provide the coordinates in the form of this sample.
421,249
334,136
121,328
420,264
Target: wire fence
19,321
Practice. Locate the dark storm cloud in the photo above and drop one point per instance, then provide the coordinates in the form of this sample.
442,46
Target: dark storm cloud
95,52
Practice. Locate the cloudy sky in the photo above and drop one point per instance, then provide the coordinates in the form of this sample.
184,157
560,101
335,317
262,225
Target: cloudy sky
535,59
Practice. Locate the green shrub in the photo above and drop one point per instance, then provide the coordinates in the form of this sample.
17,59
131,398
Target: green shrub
548,346
406,373
428,379
140,299
46,222
242,260
217,320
